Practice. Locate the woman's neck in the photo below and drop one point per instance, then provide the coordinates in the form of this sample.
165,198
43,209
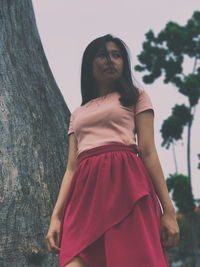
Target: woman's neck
104,89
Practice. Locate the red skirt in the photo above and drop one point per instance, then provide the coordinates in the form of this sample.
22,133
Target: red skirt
112,214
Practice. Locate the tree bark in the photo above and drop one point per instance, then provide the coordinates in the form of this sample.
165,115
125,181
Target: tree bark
188,151
33,142
174,156
192,220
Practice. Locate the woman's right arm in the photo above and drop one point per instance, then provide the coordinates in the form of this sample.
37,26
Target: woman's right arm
52,236
71,165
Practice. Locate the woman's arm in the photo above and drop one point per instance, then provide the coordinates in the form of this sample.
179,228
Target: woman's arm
53,234
147,152
64,188
170,233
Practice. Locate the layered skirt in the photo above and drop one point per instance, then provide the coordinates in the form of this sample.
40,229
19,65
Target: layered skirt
112,214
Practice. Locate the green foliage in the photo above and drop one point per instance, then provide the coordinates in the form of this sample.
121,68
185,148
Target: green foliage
197,201
181,193
192,45
171,130
191,88
184,249
172,67
185,241
182,113
175,38
172,127
164,54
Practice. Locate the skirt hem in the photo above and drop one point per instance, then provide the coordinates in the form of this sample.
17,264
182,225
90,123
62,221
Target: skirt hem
88,243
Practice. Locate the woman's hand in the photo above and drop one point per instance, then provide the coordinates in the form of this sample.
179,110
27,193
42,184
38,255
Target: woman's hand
52,236
170,233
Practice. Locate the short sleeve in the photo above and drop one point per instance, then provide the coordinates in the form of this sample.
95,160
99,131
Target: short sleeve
70,129
144,103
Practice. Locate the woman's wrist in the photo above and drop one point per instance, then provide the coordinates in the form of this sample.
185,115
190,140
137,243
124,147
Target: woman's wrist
169,209
167,205
56,215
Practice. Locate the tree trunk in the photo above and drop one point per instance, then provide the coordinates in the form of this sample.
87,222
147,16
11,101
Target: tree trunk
195,241
194,227
174,156
33,146
188,151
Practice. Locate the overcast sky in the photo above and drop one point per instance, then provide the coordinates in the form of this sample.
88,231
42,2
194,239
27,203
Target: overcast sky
67,27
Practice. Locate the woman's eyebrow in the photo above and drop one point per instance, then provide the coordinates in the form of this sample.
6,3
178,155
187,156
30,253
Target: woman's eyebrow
114,50
106,51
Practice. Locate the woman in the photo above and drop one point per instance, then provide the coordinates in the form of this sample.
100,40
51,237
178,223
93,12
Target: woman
108,212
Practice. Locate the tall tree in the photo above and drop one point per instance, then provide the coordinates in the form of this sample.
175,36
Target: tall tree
165,54
33,141
189,221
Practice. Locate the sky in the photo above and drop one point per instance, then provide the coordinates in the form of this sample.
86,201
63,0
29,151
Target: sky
67,27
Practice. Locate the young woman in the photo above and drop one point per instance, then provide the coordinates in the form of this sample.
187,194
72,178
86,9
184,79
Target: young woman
113,208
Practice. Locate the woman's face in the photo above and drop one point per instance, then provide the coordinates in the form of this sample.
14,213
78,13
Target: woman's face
108,64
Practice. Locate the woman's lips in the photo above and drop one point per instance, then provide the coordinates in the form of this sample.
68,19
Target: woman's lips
110,69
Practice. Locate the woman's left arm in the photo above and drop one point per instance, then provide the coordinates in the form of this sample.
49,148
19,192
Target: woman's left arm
144,122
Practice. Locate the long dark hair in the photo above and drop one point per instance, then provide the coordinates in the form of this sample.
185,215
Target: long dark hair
124,86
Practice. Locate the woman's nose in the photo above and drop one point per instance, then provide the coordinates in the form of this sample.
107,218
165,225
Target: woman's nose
108,58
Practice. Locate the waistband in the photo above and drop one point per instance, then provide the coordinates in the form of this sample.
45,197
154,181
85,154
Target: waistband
106,148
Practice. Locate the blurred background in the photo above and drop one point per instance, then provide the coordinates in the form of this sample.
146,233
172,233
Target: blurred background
67,27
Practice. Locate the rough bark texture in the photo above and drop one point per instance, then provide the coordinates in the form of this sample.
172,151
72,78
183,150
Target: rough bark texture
33,141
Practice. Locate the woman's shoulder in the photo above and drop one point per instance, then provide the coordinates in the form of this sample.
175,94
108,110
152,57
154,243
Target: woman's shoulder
141,91
143,103
75,111
143,95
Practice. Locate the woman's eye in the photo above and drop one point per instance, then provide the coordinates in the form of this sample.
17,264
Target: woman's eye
101,55
117,55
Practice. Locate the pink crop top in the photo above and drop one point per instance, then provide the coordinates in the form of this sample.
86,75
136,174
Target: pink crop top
104,120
